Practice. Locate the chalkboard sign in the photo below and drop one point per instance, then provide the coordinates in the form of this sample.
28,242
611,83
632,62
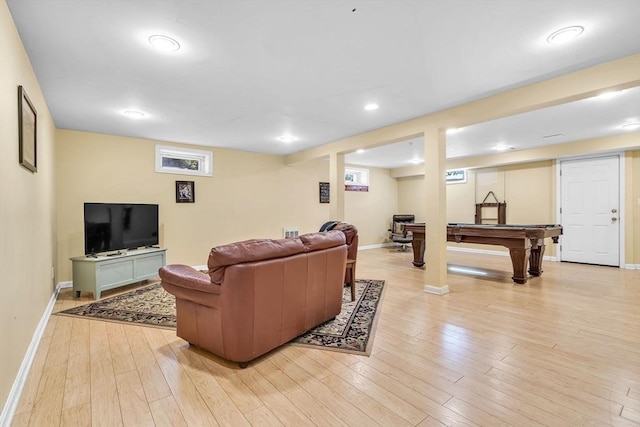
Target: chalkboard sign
324,192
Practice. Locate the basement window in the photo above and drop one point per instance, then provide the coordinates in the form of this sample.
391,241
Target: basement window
184,161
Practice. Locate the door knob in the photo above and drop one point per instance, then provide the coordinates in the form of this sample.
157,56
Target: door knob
614,219
614,210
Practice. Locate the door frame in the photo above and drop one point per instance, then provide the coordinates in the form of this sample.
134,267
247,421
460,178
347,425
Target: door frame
621,197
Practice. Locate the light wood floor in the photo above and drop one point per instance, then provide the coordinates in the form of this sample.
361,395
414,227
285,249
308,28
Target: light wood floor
562,350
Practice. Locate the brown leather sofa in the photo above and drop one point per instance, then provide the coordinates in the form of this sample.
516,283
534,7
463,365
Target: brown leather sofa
259,294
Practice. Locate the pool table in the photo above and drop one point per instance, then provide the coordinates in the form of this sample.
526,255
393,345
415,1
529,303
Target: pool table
525,242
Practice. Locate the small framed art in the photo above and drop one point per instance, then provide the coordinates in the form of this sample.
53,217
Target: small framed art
324,192
185,192
27,132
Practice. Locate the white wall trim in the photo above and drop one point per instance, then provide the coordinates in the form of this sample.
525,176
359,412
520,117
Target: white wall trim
436,290
16,390
376,246
631,266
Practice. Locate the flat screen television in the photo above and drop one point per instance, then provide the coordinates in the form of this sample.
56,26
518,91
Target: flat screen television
116,226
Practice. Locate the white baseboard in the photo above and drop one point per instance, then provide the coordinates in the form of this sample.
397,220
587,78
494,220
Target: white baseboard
631,266
437,290
16,390
376,246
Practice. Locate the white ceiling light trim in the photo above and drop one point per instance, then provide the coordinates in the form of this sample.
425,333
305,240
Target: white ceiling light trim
565,35
287,138
501,146
371,107
134,114
163,43
608,95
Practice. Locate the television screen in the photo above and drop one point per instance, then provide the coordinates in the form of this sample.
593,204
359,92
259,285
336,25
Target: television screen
116,226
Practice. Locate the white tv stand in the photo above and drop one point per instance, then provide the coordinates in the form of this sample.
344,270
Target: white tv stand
102,272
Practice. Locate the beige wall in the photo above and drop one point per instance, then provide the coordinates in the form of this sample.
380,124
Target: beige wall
27,212
526,203
632,207
530,192
249,196
371,211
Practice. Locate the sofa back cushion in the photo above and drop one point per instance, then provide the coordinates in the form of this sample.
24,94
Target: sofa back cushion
265,249
249,251
318,241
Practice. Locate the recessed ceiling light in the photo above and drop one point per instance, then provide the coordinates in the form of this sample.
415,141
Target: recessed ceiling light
501,146
565,34
608,95
287,138
164,43
360,151
371,107
133,114
631,125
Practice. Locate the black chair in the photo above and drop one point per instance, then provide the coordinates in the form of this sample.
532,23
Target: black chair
398,233
328,225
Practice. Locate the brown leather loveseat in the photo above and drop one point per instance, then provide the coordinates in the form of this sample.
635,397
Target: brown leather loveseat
259,294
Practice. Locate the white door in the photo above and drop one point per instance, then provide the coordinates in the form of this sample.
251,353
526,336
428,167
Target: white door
590,210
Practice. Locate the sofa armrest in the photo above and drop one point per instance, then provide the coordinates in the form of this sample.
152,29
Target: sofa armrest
187,277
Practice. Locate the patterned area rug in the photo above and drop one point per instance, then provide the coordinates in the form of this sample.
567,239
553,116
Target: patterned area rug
351,331
150,305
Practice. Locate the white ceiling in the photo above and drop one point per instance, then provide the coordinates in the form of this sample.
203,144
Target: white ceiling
251,71
589,118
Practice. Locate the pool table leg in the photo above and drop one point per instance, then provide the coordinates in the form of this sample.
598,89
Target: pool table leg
519,259
418,252
535,260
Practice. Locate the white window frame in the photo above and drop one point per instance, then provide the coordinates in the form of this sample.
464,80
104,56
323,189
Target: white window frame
204,158
360,176
456,176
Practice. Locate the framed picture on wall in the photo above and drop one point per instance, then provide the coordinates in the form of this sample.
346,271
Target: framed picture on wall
27,132
324,192
185,192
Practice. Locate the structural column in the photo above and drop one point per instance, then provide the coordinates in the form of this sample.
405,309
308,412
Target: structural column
435,159
336,186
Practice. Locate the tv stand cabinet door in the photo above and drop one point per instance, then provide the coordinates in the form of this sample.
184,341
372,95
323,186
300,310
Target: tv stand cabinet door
99,274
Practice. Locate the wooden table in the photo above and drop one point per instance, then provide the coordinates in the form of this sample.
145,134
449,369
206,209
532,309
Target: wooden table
525,242
351,265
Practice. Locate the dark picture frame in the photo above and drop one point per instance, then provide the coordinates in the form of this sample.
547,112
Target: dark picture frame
324,192
185,192
27,132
